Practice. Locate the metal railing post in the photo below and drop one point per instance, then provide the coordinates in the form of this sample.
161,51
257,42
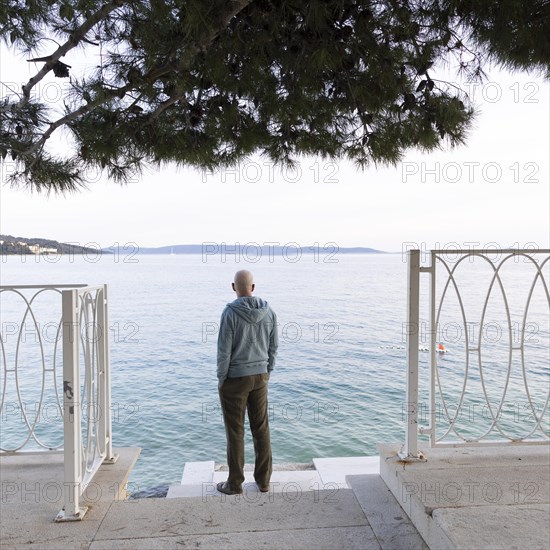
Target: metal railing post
100,338
105,392
433,355
410,450
72,414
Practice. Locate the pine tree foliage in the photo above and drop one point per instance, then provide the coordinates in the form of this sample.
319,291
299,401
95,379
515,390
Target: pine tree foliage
209,83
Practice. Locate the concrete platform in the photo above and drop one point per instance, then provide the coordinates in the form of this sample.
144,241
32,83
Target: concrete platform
489,498
36,478
476,497
230,521
32,495
290,519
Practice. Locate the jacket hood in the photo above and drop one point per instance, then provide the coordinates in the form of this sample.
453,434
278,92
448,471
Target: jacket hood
250,308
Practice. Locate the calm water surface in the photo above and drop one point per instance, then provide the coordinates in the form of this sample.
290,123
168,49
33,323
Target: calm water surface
339,384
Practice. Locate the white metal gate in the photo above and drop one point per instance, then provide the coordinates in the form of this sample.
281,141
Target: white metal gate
83,402
444,421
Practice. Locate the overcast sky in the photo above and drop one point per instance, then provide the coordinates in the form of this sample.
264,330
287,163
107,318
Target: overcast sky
494,190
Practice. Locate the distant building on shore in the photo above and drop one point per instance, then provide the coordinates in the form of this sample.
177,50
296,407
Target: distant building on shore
37,249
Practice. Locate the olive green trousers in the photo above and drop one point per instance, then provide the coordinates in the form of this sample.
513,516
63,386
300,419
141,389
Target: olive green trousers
238,395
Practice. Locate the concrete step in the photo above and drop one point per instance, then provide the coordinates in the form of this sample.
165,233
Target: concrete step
335,470
391,526
198,472
200,478
271,521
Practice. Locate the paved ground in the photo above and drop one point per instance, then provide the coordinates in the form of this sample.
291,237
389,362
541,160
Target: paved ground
292,518
476,497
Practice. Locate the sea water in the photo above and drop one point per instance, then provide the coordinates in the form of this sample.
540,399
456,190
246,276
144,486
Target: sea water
339,385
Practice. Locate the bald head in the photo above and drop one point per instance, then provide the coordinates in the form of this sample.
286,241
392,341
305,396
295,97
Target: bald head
243,283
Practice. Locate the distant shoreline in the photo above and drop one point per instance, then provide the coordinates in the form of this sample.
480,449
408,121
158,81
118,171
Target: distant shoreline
24,246
37,246
250,249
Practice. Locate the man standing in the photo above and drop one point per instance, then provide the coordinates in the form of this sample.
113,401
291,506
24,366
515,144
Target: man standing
247,346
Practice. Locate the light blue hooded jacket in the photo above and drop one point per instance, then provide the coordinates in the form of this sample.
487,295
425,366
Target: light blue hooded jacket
247,340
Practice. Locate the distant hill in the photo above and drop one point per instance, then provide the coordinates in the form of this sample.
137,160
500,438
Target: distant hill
254,249
10,245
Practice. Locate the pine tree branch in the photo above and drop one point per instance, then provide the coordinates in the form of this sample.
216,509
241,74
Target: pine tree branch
75,38
207,85
163,106
90,106
235,7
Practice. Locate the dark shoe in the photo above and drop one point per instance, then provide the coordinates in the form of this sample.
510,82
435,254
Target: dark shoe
223,487
263,489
